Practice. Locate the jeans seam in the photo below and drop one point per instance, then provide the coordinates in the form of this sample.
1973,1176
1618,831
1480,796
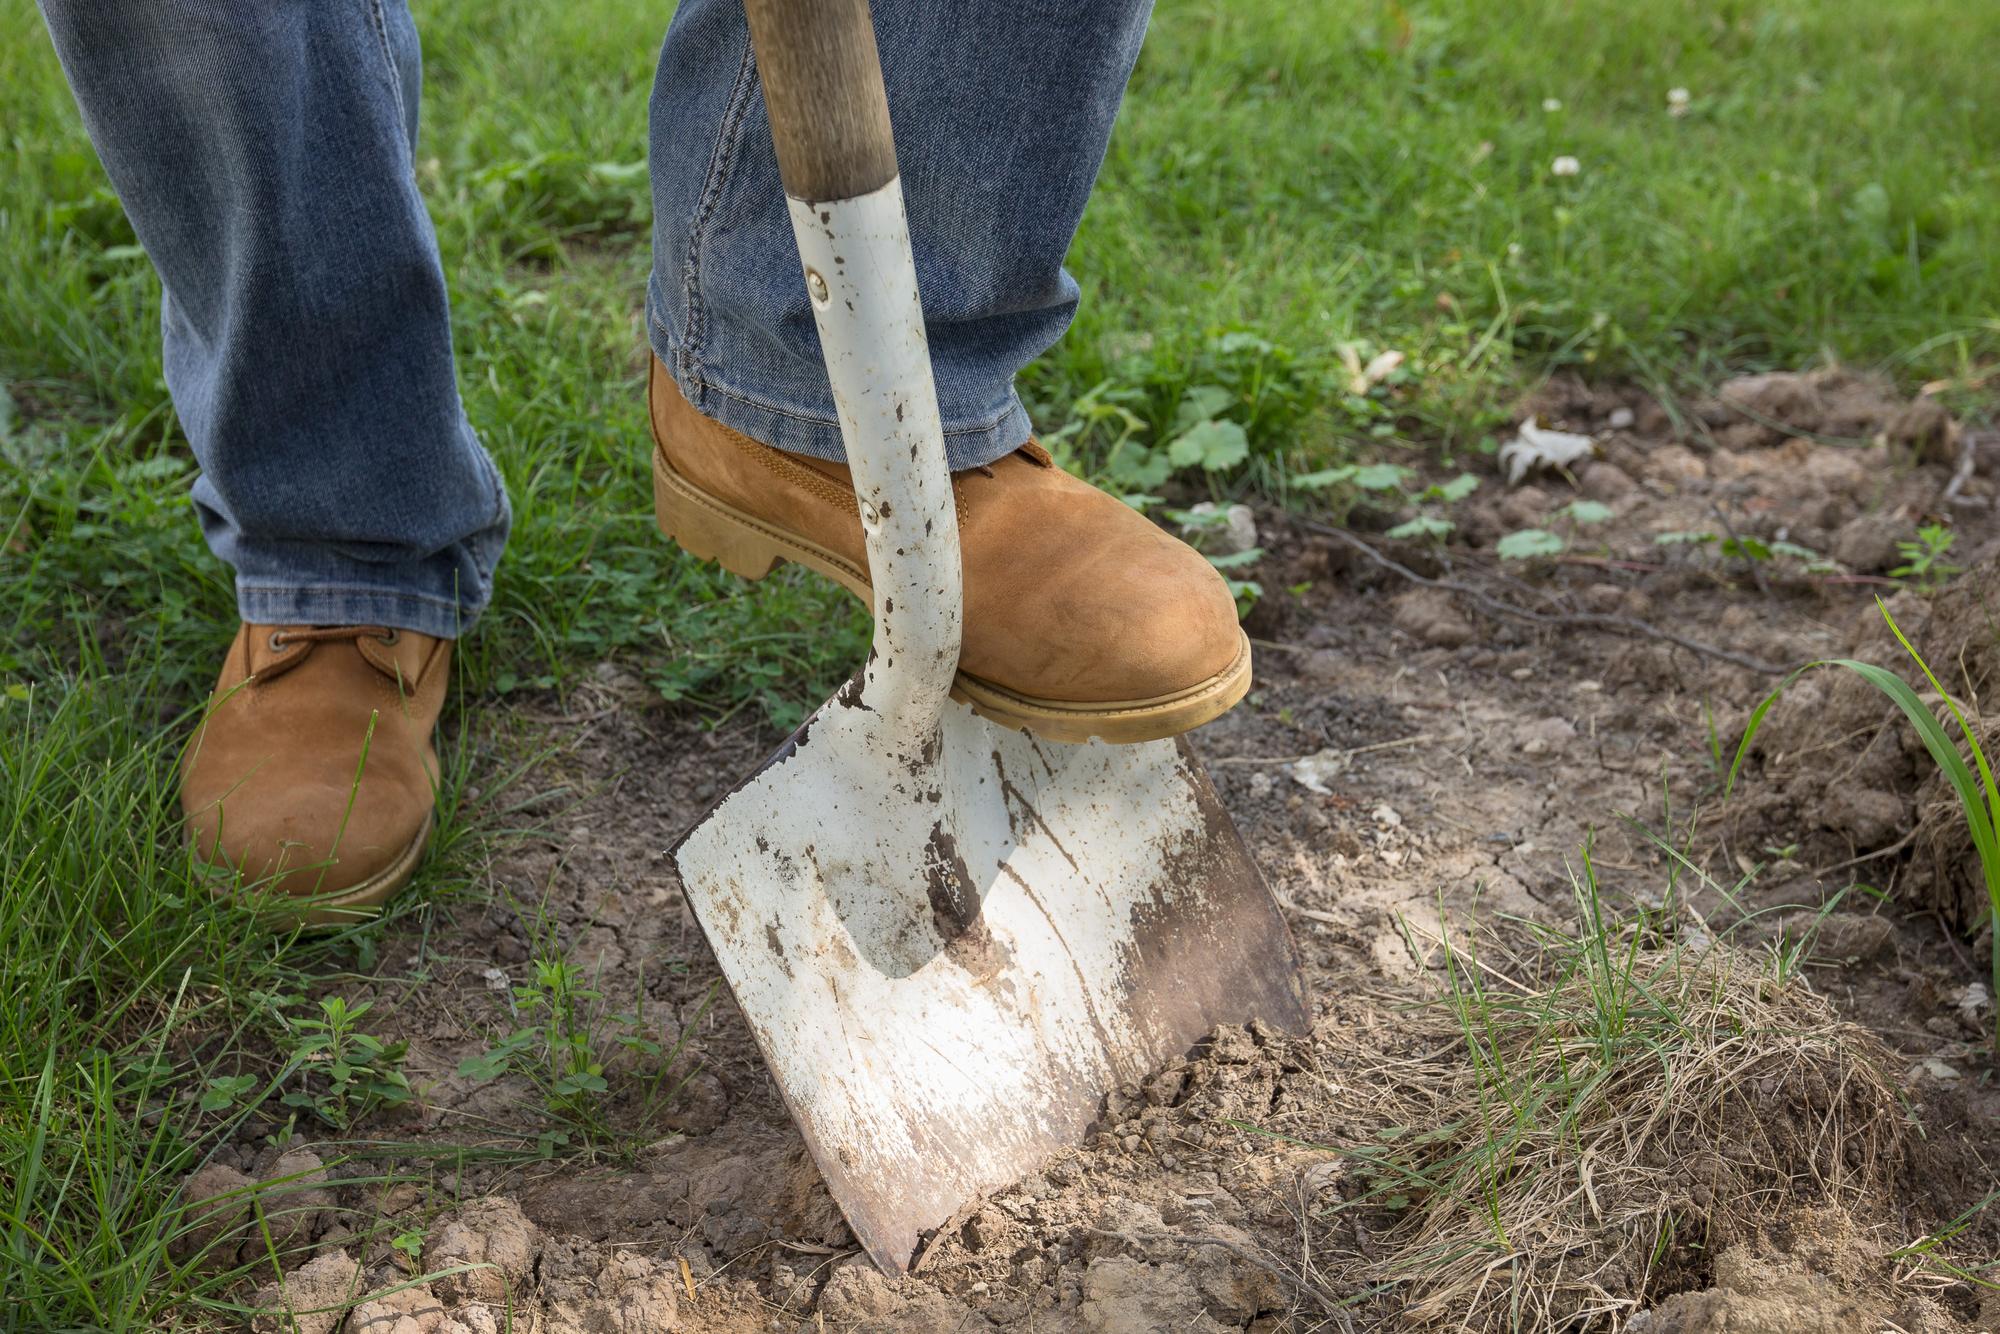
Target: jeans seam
493,478
814,419
719,159
389,60
364,590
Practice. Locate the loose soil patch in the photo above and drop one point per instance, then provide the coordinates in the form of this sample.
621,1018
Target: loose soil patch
1432,744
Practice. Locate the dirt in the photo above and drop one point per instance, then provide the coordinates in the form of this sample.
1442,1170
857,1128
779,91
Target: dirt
1410,751
1810,1273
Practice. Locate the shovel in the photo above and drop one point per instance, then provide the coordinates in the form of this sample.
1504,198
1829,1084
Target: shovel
950,939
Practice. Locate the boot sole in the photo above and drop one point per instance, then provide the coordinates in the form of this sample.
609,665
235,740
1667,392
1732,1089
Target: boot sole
744,545
354,904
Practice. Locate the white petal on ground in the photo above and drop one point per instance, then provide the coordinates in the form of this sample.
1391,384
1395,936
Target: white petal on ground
1565,166
1536,448
1312,771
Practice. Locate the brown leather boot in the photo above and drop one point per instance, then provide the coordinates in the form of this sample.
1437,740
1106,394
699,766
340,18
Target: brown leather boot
1082,617
275,784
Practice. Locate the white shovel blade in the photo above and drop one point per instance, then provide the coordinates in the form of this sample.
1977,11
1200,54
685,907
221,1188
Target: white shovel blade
947,965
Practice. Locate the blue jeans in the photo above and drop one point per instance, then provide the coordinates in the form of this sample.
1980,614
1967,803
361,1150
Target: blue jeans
264,152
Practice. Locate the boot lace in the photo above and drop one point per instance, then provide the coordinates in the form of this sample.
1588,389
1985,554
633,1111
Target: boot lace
323,634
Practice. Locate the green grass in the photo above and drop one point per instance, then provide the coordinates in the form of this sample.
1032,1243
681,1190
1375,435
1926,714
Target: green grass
1380,172
126,994
1287,181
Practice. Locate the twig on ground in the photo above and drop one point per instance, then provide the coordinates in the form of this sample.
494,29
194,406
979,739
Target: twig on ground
1788,430
933,1243
1310,914
1582,619
1346,753
1890,851
1612,563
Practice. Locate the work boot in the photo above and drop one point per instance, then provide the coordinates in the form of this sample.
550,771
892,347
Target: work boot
1083,618
313,775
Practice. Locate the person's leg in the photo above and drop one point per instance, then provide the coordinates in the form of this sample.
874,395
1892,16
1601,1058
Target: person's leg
263,153
1082,617
1002,112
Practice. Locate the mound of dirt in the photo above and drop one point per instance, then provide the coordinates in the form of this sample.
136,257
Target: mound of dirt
1834,403
232,1211
1811,1272
315,1298
1961,641
1832,460
1836,756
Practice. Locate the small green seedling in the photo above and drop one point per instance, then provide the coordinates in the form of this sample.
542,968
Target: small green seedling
1529,544
556,1047
226,1091
347,1074
1924,561
1538,543
1749,550
410,1245
1586,513
564,1037
1429,523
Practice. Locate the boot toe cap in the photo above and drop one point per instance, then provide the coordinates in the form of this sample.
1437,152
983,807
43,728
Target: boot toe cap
1178,629
1139,617
298,836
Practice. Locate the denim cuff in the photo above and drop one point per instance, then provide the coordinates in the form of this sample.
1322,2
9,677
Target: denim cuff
352,604
971,439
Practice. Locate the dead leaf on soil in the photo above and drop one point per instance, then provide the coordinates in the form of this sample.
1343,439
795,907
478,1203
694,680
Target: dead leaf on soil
1535,448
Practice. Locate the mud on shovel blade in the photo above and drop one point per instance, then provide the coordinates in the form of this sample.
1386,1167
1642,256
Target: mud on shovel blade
949,939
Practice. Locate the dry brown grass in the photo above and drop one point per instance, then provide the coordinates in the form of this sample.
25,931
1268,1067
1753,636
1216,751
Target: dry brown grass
1576,1124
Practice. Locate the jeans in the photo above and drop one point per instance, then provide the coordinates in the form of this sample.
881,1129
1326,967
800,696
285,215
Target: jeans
265,154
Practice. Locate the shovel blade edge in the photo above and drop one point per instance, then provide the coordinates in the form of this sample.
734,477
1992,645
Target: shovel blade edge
946,964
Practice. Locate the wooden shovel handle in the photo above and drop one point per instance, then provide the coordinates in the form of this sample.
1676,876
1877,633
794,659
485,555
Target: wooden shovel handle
823,90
